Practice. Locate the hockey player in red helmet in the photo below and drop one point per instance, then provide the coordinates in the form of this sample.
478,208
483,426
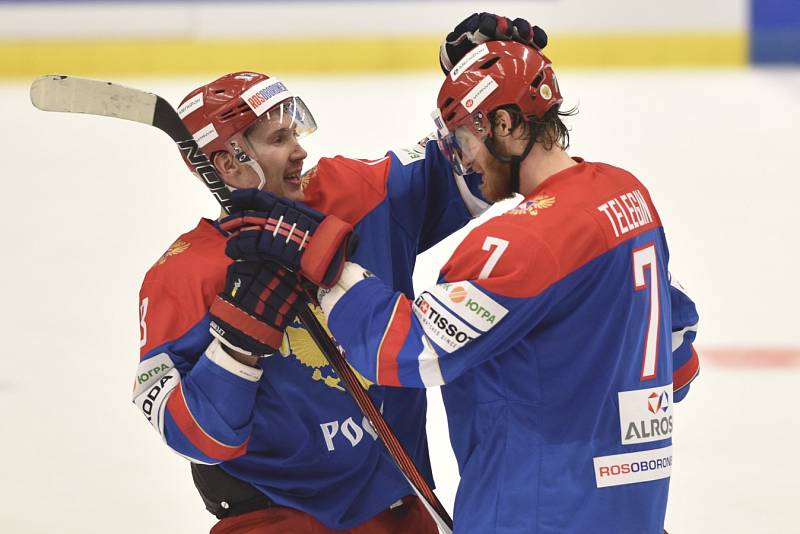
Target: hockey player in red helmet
249,125
555,331
499,111
231,381
276,443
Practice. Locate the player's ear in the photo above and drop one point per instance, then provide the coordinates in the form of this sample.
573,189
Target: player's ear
226,165
502,123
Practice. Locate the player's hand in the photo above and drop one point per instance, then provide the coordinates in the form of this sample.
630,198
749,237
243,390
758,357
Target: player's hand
481,27
264,227
253,310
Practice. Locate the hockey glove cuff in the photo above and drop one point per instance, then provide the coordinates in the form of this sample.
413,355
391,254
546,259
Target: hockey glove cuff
252,312
352,274
479,28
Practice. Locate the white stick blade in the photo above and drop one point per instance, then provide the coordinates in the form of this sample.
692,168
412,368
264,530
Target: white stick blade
81,95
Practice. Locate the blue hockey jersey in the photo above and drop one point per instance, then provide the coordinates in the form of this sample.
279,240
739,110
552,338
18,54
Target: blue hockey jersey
562,345
290,429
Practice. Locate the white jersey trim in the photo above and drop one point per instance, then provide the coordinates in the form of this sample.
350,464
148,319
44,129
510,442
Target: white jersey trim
352,273
217,354
151,396
429,370
679,337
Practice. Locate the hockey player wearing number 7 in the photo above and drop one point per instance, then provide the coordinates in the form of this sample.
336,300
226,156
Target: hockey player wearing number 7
557,335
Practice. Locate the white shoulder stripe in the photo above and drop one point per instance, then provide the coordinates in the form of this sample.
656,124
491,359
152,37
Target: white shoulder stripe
429,370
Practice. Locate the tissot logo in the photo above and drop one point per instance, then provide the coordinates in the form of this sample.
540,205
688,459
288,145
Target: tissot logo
440,325
423,305
441,322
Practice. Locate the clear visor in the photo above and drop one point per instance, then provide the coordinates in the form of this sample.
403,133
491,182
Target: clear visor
288,120
292,114
460,146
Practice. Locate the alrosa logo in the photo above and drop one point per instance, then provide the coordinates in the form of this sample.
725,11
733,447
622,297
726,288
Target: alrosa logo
657,427
658,403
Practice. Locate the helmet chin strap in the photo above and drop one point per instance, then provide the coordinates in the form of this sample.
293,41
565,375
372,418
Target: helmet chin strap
515,161
243,157
262,180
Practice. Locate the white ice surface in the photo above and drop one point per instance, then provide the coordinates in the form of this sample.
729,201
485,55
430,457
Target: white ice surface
90,203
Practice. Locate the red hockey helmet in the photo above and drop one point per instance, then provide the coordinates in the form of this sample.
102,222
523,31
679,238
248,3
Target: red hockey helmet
494,74
218,114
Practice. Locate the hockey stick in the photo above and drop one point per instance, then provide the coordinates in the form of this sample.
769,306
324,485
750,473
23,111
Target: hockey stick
79,95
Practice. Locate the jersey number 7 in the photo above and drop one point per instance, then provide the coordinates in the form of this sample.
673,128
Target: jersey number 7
499,246
642,259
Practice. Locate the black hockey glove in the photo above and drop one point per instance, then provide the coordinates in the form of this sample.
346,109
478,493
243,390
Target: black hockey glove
264,227
481,27
255,307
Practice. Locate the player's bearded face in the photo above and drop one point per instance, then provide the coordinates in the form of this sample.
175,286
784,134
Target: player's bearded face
496,184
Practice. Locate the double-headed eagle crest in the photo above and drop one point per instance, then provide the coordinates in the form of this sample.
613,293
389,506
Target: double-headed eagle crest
297,342
307,176
532,207
174,249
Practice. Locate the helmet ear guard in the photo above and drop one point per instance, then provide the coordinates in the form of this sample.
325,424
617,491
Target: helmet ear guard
239,153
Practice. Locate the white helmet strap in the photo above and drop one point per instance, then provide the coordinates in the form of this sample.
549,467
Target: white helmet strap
262,180
241,155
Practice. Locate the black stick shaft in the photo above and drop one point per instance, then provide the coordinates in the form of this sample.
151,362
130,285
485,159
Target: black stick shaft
364,402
